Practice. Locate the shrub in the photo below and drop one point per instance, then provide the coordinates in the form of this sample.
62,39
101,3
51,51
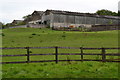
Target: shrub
41,41
63,32
63,36
3,34
30,51
30,37
12,41
33,34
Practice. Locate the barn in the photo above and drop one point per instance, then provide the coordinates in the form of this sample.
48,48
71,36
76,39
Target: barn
57,19
15,22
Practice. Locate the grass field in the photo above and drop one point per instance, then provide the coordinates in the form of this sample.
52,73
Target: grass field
24,37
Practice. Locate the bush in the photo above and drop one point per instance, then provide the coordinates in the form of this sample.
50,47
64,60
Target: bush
2,34
41,41
63,36
12,41
33,34
63,32
43,31
30,37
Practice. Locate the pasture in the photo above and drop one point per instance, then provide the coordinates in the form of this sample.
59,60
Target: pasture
32,37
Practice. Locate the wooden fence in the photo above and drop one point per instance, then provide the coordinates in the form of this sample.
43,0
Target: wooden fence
56,53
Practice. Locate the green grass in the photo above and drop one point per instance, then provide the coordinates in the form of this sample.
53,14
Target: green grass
45,37
61,70
32,37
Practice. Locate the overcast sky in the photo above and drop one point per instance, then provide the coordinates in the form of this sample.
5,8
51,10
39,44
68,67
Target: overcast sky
16,9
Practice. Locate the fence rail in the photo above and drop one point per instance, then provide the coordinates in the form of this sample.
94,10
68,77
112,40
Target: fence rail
56,53
52,47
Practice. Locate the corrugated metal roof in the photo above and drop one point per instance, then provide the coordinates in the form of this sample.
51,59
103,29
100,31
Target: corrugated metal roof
81,14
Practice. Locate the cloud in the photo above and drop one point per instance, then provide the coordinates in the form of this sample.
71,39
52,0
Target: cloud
119,5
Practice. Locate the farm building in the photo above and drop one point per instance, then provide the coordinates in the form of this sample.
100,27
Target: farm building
15,22
57,19
36,15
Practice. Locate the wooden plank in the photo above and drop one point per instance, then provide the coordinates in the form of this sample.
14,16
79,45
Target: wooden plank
53,61
12,55
43,61
25,55
25,47
13,62
13,48
56,54
84,48
42,54
90,60
81,50
26,62
28,54
41,47
103,55
108,54
69,47
51,47
69,54
113,54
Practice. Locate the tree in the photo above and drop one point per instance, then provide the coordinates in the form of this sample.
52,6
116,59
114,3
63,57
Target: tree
106,12
27,16
3,25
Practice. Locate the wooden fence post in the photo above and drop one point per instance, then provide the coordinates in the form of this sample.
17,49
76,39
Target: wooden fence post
28,54
81,49
56,54
103,55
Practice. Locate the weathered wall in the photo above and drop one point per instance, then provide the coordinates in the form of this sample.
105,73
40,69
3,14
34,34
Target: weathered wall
58,25
71,19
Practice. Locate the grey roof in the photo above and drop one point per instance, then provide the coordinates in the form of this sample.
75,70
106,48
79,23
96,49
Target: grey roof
81,14
39,12
17,20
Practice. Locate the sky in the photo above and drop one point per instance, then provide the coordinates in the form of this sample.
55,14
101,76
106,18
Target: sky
15,9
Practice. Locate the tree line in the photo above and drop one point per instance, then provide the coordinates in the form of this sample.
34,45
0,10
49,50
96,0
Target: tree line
107,12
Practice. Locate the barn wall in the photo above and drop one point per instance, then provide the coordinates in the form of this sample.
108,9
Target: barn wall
58,25
72,19
60,20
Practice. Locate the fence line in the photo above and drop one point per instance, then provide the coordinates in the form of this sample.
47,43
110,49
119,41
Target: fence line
103,54
52,47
